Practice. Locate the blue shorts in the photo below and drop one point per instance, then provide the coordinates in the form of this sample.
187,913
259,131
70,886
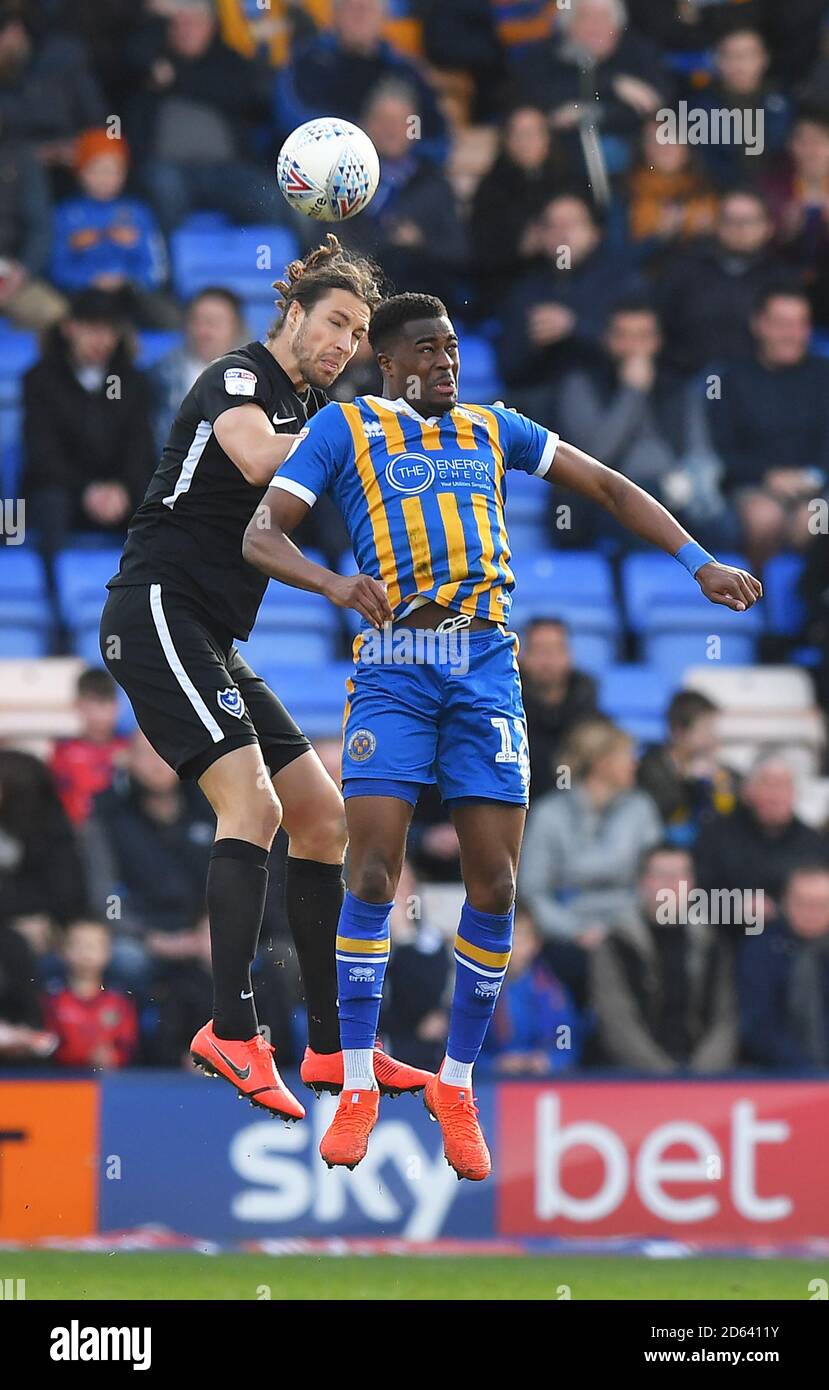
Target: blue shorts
450,714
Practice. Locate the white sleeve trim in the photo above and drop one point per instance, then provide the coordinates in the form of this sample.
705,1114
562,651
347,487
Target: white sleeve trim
297,489
548,454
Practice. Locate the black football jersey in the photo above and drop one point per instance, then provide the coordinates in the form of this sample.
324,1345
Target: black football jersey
187,533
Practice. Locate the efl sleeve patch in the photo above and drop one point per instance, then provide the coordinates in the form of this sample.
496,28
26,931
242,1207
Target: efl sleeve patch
239,382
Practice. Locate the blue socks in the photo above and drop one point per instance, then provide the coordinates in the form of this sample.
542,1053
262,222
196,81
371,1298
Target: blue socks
482,952
362,956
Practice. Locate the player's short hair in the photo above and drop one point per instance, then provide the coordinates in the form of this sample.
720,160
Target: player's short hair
392,315
634,304
686,708
227,296
813,113
589,741
734,28
96,683
744,190
328,267
810,868
661,847
536,624
781,289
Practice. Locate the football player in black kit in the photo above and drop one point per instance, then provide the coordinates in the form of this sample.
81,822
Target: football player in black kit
182,595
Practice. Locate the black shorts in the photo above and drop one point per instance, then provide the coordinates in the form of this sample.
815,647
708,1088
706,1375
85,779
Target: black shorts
194,696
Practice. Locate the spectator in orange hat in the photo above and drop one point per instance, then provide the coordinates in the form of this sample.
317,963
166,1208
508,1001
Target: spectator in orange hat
106,239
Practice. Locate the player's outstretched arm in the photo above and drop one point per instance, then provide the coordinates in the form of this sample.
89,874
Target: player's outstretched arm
248,438
640,513
268,547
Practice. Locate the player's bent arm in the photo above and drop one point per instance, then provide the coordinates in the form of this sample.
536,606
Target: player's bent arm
640,513
250,440
268,547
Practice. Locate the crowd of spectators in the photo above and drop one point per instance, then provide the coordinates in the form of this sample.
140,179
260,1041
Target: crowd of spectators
663,304
671,915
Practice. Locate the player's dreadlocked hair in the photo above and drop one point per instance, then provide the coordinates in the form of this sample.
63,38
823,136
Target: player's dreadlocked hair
327,267
394,313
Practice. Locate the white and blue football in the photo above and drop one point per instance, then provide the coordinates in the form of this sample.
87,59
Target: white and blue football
328,169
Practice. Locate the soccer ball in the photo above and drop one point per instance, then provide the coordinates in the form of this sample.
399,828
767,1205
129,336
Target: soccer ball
328,169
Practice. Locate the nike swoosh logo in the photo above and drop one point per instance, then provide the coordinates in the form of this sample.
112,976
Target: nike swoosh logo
283,419
249,995
242,1072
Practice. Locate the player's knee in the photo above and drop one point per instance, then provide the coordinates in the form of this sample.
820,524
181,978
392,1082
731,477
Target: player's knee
258,821
375,881
493,891
324,840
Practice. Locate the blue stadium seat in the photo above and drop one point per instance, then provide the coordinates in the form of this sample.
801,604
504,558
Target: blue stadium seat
527,498
258,315
635,691
18,352
479,381
18,640
593,650
153,346
527,536
673,652
284,607
231,256
81,581
785,609
295,647
574,576
314,696
23,597
649,577
593,628
11,464
85,642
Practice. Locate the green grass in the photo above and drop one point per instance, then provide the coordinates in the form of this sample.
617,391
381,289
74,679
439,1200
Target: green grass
62,1275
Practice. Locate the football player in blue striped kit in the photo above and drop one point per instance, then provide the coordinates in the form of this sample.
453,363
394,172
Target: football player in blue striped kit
420,481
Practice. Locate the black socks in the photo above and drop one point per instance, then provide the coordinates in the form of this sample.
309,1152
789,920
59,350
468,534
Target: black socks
313,898
237,881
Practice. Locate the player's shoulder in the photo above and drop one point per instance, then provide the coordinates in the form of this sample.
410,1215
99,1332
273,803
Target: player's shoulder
240,372
500,415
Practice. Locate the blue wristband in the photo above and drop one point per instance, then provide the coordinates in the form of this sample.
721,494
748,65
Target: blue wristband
693,557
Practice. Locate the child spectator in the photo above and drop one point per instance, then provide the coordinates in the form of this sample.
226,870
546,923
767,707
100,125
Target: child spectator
97,1027
106,239
83,766
536,1029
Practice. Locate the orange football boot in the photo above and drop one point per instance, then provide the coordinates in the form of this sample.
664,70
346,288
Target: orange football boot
464,1145
345,1141
250,1067
323,1071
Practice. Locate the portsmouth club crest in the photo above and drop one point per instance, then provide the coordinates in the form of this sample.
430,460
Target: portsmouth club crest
231,701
